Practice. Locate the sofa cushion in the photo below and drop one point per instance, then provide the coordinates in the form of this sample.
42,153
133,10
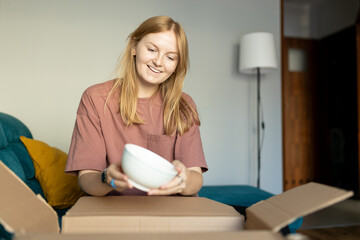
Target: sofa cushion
9,158
235,195
3,140
61,190
14,154
21,153
13,128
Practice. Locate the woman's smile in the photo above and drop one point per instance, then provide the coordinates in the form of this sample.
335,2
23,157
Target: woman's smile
153,69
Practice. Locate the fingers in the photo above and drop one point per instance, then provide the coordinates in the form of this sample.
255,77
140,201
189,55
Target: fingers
180,179
176,185
179,166
169,191
116,178
114,171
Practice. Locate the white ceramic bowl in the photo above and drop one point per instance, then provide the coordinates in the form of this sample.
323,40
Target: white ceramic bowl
145,168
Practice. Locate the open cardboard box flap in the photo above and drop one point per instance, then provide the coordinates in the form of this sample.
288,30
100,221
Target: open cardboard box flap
21,210
281,210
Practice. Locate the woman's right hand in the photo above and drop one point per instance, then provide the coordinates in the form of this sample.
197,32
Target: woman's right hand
90,181
116,178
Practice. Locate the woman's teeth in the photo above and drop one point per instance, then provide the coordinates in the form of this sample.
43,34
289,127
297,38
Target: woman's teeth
153,69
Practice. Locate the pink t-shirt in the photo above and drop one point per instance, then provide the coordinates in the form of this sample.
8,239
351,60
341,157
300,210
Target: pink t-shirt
100,134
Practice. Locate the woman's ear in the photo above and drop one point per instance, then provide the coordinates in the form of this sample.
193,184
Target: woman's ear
133,52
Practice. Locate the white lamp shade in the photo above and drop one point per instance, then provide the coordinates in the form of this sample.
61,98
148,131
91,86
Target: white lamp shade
257,50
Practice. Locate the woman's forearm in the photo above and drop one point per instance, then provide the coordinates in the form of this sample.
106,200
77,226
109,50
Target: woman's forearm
194,182
90,182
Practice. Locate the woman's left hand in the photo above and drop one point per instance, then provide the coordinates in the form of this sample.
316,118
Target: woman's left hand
177,184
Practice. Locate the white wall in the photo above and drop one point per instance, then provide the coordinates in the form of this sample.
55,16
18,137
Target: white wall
51,50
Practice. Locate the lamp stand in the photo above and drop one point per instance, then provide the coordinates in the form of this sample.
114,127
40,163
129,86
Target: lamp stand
257,50
258,126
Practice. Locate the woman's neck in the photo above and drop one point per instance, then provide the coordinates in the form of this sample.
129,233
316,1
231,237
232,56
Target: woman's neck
147,92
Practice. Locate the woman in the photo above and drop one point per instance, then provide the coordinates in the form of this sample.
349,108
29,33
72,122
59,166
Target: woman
145,106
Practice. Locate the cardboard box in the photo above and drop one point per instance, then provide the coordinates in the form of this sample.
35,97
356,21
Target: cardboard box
150,214
175,214
25,214
238,235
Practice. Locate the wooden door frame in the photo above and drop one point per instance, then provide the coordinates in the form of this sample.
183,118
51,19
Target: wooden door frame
358,85
282,88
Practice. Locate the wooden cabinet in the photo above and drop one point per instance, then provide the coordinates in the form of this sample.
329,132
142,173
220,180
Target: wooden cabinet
300,107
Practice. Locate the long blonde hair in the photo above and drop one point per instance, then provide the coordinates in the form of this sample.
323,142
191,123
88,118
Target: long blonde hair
179,115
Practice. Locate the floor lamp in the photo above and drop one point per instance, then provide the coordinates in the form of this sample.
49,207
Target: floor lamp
257,55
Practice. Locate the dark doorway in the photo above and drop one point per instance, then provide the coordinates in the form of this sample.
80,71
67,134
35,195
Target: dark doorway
339,164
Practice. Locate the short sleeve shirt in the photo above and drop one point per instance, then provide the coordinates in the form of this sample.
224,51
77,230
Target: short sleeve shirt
100,134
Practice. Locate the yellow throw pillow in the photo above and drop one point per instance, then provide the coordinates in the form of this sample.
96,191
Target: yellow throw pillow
61,190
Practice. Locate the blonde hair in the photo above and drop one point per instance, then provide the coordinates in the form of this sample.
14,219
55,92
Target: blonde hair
179,115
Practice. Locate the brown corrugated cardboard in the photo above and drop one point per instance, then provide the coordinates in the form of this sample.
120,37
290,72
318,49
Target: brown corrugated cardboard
25,214
150,214
238,235
21,211
280,210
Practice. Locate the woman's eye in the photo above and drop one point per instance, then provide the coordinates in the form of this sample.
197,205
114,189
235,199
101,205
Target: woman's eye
171,58
151,50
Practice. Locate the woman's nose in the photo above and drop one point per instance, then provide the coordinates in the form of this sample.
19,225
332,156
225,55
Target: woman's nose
157,60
